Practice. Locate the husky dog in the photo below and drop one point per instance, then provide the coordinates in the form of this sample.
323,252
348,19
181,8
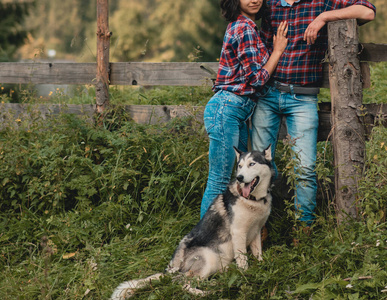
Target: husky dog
232,223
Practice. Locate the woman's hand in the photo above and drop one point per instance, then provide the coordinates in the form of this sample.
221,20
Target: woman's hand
280,40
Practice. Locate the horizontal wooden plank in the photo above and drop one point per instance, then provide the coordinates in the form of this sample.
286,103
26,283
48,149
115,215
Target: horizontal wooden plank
122,73
48,73
12,114
150,74
144,74
373,52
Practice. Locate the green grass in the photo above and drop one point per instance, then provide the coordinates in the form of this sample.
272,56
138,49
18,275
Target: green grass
85,207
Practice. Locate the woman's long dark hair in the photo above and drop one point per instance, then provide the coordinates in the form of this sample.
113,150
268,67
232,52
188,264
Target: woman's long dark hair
231,10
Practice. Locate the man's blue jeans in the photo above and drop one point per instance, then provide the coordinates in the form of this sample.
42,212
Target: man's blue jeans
225,118
301,116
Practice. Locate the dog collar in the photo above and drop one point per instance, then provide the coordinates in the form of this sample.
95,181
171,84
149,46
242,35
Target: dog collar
251,197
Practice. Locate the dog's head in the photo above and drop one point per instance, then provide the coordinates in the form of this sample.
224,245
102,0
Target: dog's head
254,173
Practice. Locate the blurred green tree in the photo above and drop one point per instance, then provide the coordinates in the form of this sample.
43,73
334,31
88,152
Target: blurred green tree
13,32
134,31
146,30
167,30
376,31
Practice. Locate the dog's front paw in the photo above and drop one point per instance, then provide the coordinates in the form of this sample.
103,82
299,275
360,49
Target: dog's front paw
241,262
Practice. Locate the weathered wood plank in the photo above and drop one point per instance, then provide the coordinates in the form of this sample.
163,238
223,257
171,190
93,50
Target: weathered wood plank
151,74
124,73
48,73
373,52
146,74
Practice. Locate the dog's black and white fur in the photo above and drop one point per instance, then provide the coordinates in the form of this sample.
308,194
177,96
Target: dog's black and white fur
232,223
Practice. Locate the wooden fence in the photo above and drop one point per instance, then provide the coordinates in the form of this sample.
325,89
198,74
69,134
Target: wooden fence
346,74
158,74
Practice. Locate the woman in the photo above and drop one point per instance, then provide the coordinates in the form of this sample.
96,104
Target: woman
244,68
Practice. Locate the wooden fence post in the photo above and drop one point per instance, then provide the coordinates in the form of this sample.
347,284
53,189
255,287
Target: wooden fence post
103,66
346,114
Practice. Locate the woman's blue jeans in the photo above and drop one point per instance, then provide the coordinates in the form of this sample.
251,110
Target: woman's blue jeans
225,119
301,116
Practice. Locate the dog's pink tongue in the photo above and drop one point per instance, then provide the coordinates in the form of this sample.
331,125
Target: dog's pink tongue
246,190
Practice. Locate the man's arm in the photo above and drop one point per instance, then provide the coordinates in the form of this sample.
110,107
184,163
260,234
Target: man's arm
362,13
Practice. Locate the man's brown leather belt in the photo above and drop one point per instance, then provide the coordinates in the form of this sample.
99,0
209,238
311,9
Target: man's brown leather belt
295,89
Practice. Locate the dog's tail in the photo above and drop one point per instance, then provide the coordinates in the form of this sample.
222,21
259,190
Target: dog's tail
126,289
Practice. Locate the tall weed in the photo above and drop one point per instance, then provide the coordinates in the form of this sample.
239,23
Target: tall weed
373,186
67,163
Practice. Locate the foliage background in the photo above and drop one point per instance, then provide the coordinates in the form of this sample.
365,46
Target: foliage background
148,30
14,32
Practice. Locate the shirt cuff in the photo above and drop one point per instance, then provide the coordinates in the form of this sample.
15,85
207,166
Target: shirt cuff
366,4
265,75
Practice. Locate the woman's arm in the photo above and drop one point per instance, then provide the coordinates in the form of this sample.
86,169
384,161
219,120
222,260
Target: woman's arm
252,53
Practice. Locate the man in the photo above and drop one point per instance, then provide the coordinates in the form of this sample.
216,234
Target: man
293,90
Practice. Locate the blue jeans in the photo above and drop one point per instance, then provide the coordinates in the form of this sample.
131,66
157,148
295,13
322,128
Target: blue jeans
225,118
302,124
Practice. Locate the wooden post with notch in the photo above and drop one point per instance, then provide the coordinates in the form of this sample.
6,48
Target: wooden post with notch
103,66
346,115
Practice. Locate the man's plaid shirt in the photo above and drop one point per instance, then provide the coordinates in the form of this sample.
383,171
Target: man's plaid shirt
300,63
242,58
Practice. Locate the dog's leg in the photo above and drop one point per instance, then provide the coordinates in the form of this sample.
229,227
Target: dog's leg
202,263
240,251
194,291
256,246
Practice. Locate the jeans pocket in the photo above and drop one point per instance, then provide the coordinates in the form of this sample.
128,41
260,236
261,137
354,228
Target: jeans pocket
236,101
209,115
305,98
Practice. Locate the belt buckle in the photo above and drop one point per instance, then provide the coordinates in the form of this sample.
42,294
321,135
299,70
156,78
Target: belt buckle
283,87
279,85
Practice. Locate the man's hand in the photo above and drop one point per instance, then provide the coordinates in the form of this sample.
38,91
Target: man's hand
362,13
312,30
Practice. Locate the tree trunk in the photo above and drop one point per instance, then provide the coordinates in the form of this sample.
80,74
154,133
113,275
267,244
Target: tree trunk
348,131
103,67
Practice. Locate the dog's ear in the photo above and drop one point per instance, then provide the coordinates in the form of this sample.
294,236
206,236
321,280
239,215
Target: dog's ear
267,153
237,152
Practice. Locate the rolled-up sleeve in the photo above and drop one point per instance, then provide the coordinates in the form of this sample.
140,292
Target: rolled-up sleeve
337,4
253,55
